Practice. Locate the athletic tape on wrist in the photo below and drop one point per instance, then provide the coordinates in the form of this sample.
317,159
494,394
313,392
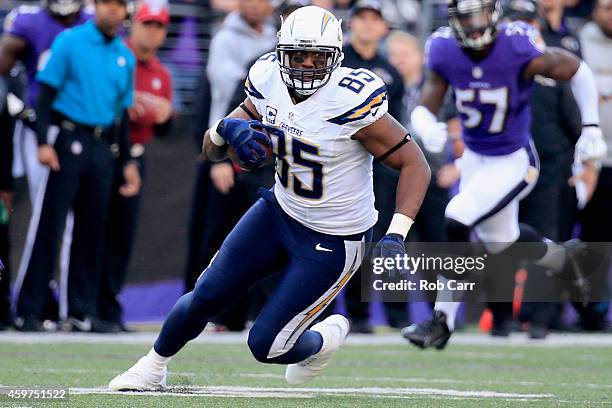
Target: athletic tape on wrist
215,137
400,224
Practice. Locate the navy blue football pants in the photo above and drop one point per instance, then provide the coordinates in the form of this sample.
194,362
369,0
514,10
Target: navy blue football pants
315,267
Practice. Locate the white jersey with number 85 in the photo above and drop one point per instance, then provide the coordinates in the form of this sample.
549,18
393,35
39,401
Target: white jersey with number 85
323,177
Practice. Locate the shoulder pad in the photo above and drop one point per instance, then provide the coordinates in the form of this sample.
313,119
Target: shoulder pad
523,36
356,94
257,81
16,21
436,49
442,32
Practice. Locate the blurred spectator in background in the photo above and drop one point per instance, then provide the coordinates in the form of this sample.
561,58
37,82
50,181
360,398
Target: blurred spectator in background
28,34
327,4
551,206
578,12
224,6
368,28
597,45
86,86
245,34
6,204
596,40
403,15
554,28
149,115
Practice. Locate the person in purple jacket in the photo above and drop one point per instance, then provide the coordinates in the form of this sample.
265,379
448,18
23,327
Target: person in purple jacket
28,34
491,68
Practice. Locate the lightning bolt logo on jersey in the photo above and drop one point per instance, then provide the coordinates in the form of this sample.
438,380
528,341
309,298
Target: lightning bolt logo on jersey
324,178
491,96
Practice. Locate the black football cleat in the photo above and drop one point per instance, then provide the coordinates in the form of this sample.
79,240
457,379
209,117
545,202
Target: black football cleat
432,333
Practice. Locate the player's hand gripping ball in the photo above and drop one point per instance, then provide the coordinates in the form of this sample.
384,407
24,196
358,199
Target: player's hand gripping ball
250,142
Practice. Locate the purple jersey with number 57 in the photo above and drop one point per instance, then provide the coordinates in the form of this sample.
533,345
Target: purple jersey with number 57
38,28
491,95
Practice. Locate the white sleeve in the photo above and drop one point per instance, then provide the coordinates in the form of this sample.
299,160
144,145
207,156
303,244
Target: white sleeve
585,92
360,109
258,81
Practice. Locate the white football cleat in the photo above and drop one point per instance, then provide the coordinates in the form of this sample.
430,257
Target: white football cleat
334,330
145,375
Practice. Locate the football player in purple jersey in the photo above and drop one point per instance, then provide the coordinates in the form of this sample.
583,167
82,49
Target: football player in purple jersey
491,68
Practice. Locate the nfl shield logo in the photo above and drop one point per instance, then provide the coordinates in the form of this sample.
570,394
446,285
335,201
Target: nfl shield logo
271,115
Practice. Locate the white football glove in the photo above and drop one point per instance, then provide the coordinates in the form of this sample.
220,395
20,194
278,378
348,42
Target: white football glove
434,138
590,146
432,133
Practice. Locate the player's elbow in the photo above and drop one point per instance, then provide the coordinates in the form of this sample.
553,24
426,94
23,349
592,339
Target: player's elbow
564,66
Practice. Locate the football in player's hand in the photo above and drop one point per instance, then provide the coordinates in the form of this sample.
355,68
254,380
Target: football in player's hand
266,148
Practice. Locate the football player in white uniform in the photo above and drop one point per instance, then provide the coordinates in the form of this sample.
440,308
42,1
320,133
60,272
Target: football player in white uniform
327,123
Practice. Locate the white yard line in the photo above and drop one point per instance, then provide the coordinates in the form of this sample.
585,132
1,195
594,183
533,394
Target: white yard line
475,339
282,392
275,376
424,380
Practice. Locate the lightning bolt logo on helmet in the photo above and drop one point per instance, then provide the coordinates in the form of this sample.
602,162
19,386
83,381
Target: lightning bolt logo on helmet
298,33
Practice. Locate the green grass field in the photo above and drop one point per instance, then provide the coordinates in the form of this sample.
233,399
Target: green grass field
225,375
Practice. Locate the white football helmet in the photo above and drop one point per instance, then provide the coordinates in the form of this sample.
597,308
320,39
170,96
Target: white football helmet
309,29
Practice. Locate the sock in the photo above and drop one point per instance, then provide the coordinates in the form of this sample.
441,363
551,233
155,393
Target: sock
157,359
450,310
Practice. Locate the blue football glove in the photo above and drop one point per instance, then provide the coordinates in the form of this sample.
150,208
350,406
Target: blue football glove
247,138
390,246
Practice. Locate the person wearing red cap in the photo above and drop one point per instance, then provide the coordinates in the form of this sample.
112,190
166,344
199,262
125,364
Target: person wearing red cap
150,114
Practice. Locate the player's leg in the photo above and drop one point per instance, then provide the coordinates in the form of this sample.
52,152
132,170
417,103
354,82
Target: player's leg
488,185
314,276
251,251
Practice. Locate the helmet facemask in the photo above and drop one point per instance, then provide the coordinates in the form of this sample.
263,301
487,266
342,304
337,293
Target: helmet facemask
64,8
314,36
474,22
305,81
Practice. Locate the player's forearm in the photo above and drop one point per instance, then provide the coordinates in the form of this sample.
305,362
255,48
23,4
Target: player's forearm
411,188
7,61
212,151
584,89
